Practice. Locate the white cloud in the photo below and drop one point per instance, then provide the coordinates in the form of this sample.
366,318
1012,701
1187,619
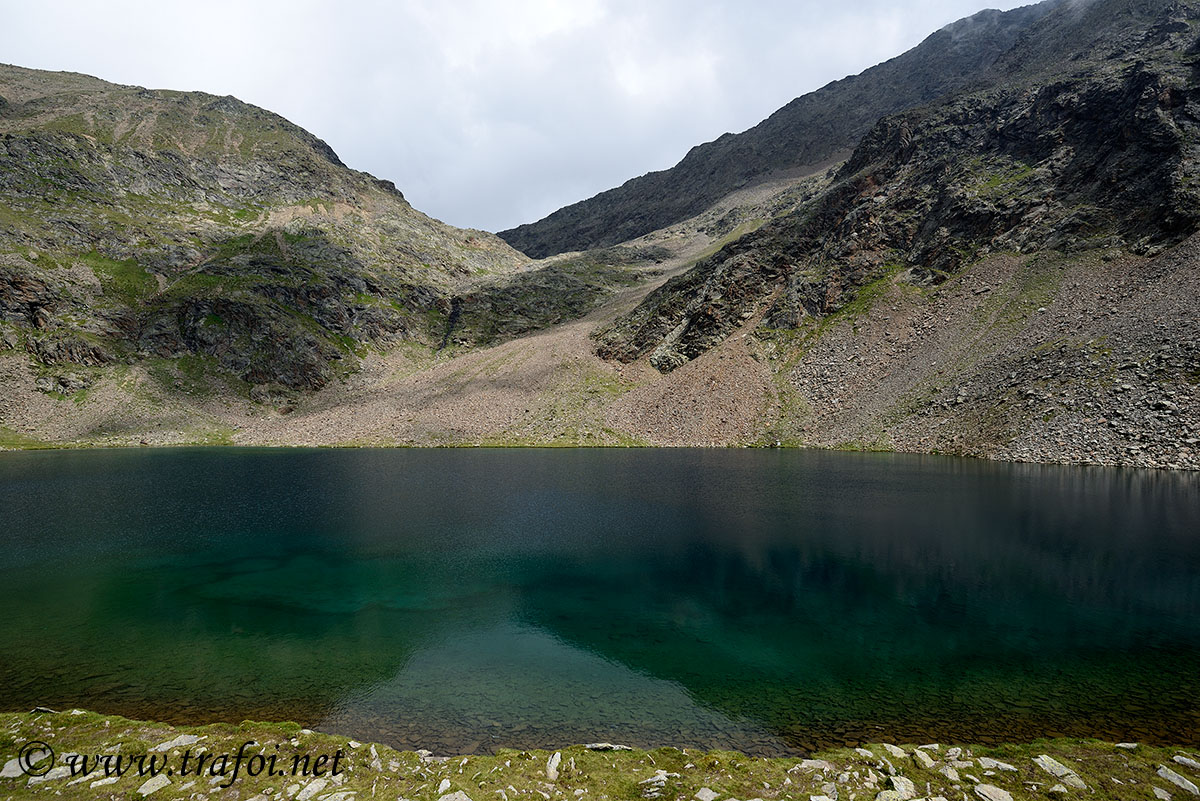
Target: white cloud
485,114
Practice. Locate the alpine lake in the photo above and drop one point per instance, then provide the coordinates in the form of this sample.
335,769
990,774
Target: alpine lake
462,600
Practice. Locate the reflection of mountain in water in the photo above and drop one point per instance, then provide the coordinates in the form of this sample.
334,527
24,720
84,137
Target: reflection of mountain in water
715,598
1027,606
184,641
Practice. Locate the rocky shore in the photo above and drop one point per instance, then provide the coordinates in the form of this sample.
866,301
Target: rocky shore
78,755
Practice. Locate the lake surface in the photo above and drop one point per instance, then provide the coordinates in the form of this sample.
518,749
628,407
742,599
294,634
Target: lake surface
464,600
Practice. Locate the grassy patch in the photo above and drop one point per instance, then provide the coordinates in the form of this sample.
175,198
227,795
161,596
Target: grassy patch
999,177
11,440
124,279
377,771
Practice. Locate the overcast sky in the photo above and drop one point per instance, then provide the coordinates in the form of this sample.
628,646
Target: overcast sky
486,114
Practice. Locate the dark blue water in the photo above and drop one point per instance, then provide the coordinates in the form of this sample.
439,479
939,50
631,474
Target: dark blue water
462,600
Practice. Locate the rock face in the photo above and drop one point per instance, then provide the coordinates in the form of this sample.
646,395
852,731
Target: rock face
144,224
912,303
808,131
1098,157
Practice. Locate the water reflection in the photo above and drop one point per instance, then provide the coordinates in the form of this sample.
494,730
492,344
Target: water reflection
770,601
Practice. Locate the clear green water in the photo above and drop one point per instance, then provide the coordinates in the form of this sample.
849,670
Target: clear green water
461,600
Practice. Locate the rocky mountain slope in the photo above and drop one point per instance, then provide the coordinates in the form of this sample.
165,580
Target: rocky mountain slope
811,130
140,224
1058,169
1009,272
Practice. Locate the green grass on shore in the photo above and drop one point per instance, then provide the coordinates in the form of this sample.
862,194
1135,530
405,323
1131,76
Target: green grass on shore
370,771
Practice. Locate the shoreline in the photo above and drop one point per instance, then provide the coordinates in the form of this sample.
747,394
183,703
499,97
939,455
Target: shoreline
42,446
269,761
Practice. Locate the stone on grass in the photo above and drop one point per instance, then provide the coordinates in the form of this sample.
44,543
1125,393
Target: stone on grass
897,752
813,764
1059,789
904,787
457,795
1177,780
311,789
987,763
178,742
1059,770
889,795
705,794
1187,761
153,785
1161,794
552,766
923,759
990,792
444,786
1127,746
606,747
864,753
61,772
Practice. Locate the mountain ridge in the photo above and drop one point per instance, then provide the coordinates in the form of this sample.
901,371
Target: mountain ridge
805,132
1006,272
